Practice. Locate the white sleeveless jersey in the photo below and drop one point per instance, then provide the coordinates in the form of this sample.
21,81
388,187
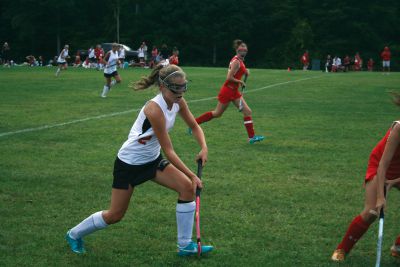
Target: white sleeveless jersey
111,63
121,53
91,53
62,56
142,145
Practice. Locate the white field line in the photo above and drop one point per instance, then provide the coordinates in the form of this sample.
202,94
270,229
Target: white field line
34,129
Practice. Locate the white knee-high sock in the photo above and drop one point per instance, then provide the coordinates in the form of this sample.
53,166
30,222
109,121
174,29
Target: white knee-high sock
89,225
184,221
106,89
113,82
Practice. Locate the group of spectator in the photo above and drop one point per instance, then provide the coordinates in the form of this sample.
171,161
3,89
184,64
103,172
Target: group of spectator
95,55
336,64
164,54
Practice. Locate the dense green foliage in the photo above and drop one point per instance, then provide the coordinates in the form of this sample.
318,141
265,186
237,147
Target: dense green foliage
277,31
284,202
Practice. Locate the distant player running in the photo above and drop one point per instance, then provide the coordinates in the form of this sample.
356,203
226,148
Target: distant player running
384,163
230,93
110,69
62,60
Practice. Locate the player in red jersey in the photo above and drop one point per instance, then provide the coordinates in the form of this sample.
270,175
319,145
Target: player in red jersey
305,60
230,93
385,55
357,62
383,170
99,54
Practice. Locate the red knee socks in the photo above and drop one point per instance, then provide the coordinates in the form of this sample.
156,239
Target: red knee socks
205,117
248,123
398,241
355,231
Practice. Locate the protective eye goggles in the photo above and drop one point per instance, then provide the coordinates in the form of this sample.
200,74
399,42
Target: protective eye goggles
176,88
173,87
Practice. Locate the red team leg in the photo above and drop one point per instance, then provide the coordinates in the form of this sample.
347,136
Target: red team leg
356,230
248,123
395,249
205,117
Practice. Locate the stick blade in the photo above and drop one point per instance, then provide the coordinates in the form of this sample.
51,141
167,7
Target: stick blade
198,248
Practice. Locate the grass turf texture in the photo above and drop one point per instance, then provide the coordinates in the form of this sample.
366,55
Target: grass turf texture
284,202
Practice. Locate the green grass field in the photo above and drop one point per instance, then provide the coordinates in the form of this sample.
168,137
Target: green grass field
284,202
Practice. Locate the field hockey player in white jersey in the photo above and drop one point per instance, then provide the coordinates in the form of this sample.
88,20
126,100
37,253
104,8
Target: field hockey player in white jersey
62,60
110,69
139,160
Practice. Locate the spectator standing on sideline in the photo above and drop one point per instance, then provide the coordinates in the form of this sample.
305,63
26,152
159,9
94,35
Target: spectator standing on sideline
99,54
5,53
174,58
385,55
346,63
154,57
305,60
141,55
145,52
370,64
357,62
41,61
121,56
77,62
328,64
91,56
164,52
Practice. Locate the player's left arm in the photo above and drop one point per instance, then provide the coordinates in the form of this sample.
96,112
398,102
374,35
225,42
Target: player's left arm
392,143
198,133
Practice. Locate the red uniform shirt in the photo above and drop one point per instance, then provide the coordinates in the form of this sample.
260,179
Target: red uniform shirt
238,75
174,60
394,168
385,55
305,59
99,53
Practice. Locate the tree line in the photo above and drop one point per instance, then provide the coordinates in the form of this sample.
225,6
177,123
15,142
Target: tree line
277,31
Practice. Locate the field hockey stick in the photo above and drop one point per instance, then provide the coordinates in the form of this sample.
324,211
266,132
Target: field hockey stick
242,91
380,236
198,191
110,66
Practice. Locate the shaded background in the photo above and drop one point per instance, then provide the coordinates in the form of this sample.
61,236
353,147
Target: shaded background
276,31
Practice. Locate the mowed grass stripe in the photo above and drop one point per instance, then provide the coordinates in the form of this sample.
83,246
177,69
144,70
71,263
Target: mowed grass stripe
44,127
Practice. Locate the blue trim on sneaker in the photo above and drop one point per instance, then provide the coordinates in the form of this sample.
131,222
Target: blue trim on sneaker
76,245
191,249
256,138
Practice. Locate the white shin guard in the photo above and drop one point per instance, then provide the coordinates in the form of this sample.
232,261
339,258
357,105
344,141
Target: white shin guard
89,225
184,220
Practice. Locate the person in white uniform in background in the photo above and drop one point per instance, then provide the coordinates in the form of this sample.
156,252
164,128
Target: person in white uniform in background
139,160
62,60
110,69
121,56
